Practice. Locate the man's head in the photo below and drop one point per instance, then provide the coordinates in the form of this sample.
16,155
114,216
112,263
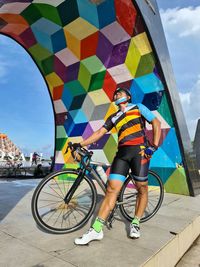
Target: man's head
121,95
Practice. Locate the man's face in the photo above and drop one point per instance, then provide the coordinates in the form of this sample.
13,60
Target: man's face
120,94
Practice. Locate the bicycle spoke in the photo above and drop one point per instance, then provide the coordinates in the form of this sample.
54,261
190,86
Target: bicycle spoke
41,207
56,192
59,188
58,217
51,194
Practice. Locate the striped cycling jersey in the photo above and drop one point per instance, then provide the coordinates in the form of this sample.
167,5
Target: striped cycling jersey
130,124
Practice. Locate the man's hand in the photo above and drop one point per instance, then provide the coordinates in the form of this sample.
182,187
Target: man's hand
148,152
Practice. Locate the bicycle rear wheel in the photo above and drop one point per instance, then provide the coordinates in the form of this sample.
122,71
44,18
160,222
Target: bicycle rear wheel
49,209
128,195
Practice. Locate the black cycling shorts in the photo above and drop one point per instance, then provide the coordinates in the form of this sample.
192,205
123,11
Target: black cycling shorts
130,157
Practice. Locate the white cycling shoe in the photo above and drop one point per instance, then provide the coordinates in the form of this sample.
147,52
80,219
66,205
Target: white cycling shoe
134,231
89,236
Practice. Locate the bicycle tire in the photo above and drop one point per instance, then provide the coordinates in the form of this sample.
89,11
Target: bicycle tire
156,181
70,175
20,172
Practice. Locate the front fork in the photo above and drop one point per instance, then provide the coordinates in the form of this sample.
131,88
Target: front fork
75,185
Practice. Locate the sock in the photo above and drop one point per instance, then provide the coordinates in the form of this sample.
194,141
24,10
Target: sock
98,224
136,221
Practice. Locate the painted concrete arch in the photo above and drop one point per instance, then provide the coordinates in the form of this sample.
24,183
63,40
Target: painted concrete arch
85,50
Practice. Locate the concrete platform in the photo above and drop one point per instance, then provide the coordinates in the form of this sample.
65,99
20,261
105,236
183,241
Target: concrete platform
165,238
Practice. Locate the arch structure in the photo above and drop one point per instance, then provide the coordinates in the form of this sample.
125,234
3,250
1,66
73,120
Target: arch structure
85,49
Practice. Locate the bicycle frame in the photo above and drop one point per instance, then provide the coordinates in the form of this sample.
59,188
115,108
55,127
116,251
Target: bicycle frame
101,183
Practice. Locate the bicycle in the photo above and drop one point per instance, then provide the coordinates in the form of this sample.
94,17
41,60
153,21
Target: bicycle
13,169
65,200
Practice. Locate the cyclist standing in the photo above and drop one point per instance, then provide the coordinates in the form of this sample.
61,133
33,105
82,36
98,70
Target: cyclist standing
134,152
34,158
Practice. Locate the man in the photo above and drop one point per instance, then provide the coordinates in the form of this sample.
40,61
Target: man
34,158
134,152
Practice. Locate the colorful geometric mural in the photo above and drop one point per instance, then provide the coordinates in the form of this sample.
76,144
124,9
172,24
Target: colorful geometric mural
85,49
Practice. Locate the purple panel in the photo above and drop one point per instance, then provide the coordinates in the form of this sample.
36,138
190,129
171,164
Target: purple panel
126,84
88,131
60,69
28,38
72,72
61,118
139,26
119,54
58,166
100,144
104,49
67,74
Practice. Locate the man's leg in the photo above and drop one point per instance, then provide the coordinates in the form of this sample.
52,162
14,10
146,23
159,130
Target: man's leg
115,182
95,232
139,167
113,189
142,198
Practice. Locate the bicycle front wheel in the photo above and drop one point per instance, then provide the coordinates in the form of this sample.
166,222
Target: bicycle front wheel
50,211
129,193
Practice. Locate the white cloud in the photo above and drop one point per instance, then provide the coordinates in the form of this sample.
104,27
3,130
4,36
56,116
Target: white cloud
182,31
191,108
184,21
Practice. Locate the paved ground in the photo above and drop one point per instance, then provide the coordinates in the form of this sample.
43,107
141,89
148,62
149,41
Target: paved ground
192,257
23,244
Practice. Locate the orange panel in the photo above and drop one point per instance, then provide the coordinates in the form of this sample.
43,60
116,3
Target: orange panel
14,19
57,92
15,29
89,45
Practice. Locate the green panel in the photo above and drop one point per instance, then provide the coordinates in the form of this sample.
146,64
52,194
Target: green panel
97,81
164,111
61,133
48,65
60,142
49,12
75,88
93,64
110,153
69,177
84,77
71,166
146,65
177,183
40,54
31,14
66,16
92,73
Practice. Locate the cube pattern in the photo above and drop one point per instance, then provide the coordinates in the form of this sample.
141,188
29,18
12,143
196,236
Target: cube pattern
85,50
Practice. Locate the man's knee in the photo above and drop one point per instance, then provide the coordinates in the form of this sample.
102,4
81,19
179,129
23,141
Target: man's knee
113,189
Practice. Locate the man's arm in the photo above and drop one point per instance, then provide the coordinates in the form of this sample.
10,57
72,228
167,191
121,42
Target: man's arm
94,137
156,125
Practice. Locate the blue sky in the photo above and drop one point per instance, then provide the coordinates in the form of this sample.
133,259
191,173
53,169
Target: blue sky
181,23
26,113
